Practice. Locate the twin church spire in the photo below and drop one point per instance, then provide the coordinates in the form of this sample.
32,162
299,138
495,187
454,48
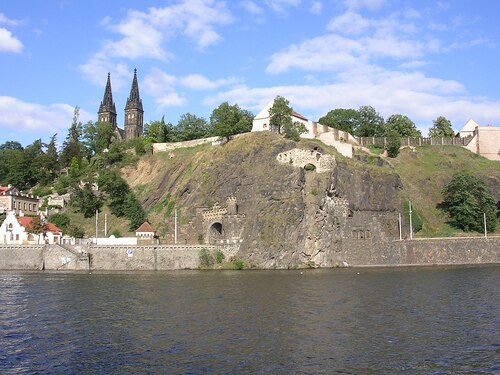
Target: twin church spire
134,113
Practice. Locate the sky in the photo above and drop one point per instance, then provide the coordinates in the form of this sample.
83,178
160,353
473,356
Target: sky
422,58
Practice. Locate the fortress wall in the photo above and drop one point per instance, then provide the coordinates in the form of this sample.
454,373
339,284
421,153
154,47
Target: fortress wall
24,257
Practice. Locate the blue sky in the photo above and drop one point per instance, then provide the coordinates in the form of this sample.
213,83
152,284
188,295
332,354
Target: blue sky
420,58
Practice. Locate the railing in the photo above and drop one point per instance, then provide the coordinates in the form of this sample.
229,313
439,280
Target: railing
415,141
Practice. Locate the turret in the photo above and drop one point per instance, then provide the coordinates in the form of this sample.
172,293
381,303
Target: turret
134,114
107,109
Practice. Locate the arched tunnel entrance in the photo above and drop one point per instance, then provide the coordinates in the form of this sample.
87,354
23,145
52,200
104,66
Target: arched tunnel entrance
215,232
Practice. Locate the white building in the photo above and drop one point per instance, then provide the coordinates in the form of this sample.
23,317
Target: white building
15,231
339,139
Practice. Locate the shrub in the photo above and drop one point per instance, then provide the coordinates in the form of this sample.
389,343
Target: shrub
239,264
206,258
309,167
393,145
60,220
219,257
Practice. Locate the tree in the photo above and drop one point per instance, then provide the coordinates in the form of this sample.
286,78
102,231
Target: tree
294,130
61,221
441,128
402,125
97,137
190,127
158,131
341,119
86,201
72,146
371,124
51,159
393,144
466,199
280,114
37,227
227,120
133,211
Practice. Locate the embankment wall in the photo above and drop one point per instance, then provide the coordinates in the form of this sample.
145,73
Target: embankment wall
420,252
123,258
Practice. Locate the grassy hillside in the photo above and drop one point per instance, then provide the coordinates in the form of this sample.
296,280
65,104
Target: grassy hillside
425,170
200,176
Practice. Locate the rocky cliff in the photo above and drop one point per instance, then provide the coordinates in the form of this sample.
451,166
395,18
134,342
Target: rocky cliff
284,215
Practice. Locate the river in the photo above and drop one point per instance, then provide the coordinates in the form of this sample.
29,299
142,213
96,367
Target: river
343,321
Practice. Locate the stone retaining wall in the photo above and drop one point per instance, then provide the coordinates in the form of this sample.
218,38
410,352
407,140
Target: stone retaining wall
353,253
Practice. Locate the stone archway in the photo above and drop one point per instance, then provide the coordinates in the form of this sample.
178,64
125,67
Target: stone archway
215,231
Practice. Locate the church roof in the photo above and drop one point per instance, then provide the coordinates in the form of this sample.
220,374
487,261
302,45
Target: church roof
107,104
134,100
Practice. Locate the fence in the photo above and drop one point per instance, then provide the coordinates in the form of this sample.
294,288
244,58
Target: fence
415,141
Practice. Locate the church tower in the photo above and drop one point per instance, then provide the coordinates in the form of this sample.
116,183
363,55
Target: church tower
107,109
134,120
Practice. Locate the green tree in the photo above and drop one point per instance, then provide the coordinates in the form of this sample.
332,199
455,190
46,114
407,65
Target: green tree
72,146
227,120
294,130
190,127
441,127
62,221
402,125
465,199
341,119
51,159
393,144
97,137
157,131
133,211
37,227
280,114
85,201
371,123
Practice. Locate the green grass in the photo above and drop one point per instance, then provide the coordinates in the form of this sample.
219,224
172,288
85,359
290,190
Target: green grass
425,170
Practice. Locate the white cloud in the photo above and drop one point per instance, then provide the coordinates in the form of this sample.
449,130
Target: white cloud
200,82
8,21
8,42
282,6
316,7
251,7
369,4
36,119
161,86
145,34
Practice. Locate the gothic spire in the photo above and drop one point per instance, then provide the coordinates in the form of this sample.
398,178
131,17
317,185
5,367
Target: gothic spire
107,104
134,101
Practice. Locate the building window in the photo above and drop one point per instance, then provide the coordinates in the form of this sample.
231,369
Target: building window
17,237
24,207
29,206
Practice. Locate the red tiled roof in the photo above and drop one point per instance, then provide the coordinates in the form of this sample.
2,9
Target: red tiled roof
295,114
145,227
4,189
25,221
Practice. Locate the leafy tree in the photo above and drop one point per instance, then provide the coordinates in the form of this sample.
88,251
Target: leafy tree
51,159
465,199
393,144
190,127
37,227
11,145
371,124
227,120
97,137
294,130
72,147
402,125
61,221
133,211
341,119
86,201
280,114
157,131
441,128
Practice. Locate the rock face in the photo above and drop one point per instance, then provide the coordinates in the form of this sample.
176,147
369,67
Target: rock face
289,217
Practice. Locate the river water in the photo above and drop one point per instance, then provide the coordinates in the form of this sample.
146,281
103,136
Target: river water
339,321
